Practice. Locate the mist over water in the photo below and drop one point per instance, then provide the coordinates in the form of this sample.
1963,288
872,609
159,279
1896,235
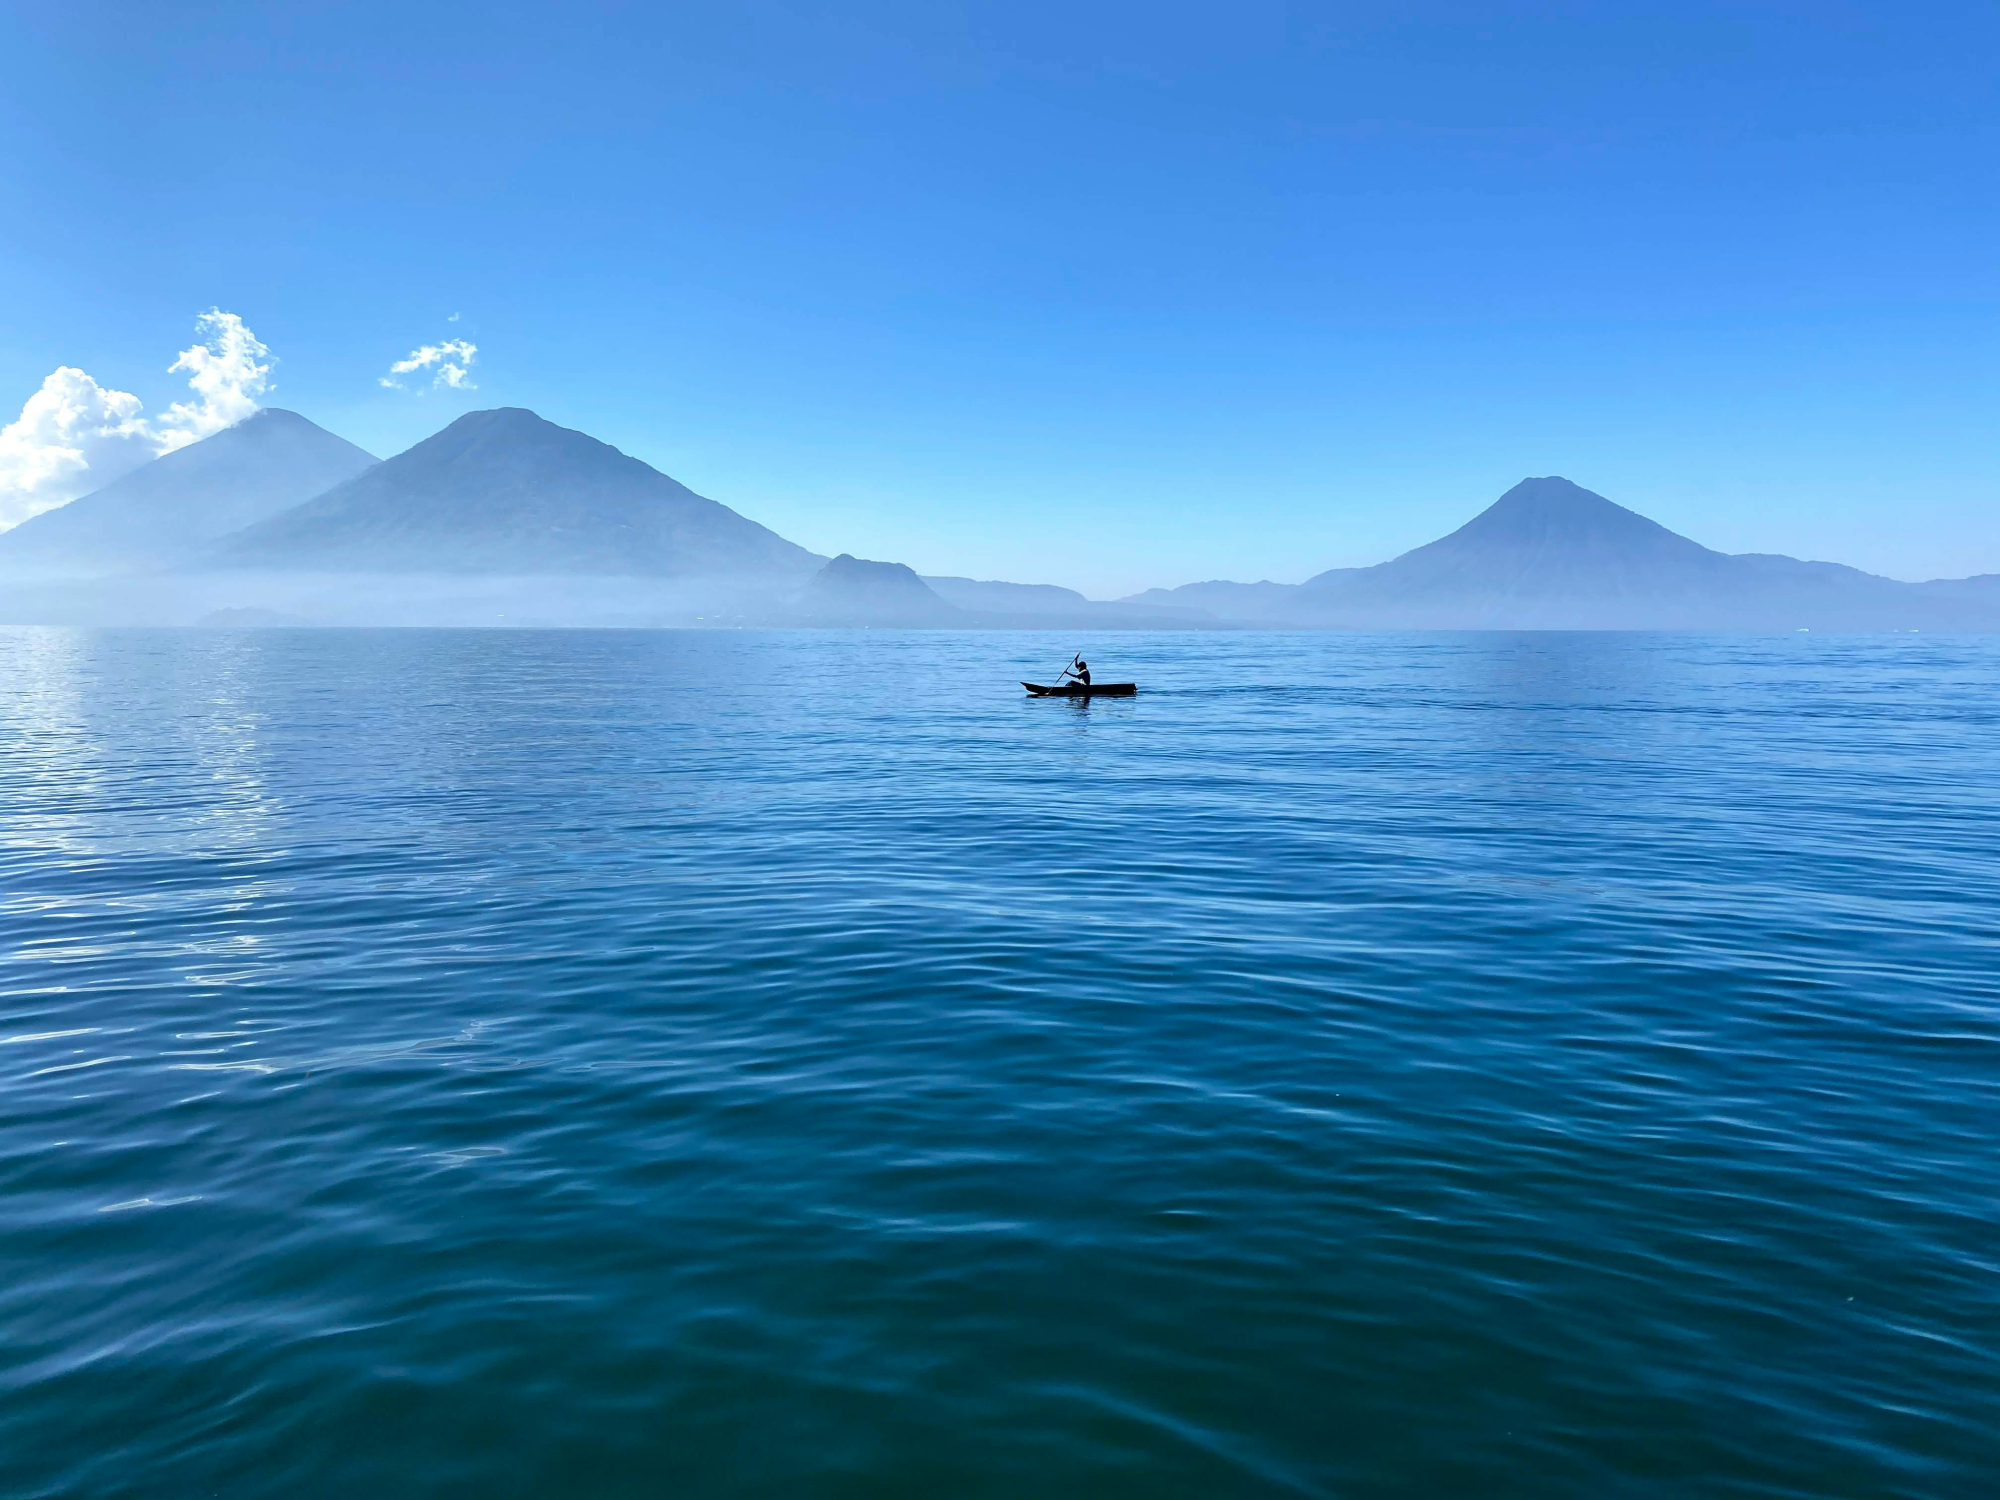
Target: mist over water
437,600
726,1063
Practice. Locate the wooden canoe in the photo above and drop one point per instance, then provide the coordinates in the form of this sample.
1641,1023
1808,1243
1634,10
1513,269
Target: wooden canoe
1078,690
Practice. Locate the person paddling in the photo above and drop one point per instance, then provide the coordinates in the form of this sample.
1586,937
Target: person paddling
1074,682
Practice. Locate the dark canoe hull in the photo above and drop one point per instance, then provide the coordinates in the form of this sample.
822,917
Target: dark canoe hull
1076,690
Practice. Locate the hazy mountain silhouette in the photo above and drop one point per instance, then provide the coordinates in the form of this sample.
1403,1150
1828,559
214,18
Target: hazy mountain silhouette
854,591
175,506
1550,554
1047,606
1246,603
504,492
474,525
249,618
991,597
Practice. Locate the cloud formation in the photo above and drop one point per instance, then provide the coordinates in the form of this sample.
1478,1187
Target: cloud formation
452,362
74,435
224,372
69,433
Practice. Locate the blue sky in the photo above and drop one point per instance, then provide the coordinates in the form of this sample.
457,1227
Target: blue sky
1101,294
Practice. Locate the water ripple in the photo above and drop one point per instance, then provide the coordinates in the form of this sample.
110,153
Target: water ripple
515,1063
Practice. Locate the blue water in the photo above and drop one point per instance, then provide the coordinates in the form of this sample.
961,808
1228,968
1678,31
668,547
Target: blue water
711,1064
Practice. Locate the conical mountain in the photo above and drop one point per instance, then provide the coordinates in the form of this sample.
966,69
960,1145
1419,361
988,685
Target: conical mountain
506,492
1550,553
1547,538
1553,524
178,504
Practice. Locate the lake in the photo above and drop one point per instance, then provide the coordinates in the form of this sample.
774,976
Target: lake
488,1063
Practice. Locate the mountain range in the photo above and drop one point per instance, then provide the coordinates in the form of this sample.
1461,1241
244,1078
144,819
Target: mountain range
505,492
504,516
1551,555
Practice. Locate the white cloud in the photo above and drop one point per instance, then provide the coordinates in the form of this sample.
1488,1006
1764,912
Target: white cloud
223,370
452,319
452,361
74,435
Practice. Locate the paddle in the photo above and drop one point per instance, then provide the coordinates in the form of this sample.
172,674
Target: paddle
1065,672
